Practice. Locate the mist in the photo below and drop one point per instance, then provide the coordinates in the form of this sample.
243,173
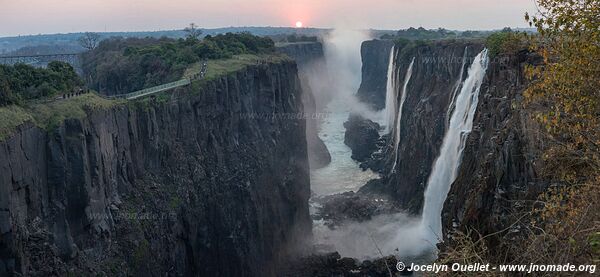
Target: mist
342,52
394,234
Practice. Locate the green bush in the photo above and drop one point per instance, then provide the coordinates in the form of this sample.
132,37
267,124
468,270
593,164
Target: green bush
119,66
505,41
24,82
401,42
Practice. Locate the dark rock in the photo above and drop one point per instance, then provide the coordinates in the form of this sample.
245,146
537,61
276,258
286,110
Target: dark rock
375,57
498,169
318,154
436,69
5,224
356,207
199,185
361,136
310,59
332,264
303,52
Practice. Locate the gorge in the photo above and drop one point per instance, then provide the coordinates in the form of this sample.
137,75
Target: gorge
163,181
364,147
433,103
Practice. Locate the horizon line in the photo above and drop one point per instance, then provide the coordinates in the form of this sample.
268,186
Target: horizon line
255,26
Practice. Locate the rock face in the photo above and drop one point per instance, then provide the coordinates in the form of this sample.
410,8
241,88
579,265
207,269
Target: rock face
311,61
318,154
332,264
210,183
303,53
361,136
436,71
497,176
338,209
375,56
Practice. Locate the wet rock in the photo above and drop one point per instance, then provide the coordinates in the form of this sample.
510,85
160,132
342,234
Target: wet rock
498,174
350,206
436,69
310,58
332,264
5,224
361,136
375,57
318,154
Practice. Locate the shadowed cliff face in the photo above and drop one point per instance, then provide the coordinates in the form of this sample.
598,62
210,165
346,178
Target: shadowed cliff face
211,183
436,70
497,178
311,63
375,56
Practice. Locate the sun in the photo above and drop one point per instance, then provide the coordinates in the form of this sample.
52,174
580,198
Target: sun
299,24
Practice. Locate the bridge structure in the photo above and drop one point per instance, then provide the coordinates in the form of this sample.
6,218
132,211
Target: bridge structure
164,87
41,60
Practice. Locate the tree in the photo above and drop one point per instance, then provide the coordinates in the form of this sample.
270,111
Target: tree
566,87
89,40
192,32
565,98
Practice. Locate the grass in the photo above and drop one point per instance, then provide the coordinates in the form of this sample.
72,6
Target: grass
218,68
10,118
49,115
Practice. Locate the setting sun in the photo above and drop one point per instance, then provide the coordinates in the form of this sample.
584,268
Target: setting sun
299,24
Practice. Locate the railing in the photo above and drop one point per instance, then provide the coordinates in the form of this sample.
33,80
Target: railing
163,87
152,90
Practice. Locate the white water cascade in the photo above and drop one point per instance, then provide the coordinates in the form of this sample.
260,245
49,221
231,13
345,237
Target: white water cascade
446,165
457,86
390,95
399,117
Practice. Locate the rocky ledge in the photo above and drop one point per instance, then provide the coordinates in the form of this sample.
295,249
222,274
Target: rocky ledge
361,136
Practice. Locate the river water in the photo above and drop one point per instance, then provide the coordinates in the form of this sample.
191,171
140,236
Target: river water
343,173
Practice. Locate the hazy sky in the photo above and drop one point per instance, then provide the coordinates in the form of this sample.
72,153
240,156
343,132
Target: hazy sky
62,16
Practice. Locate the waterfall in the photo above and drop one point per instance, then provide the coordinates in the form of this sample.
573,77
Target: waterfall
456,88
399,117
446,165
390,95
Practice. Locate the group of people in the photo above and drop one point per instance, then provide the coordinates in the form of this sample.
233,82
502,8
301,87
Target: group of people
78,92
202,72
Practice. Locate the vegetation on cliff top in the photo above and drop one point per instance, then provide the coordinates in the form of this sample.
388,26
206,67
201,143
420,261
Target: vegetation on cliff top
221,67
23,82
119,66
49,115
436,34
563,225
506,42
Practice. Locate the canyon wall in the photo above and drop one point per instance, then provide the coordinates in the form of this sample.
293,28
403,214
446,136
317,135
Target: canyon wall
304,53
312,70
497,180
375,57
436,71
212,182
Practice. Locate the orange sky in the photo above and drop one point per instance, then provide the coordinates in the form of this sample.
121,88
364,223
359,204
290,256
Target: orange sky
52,16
